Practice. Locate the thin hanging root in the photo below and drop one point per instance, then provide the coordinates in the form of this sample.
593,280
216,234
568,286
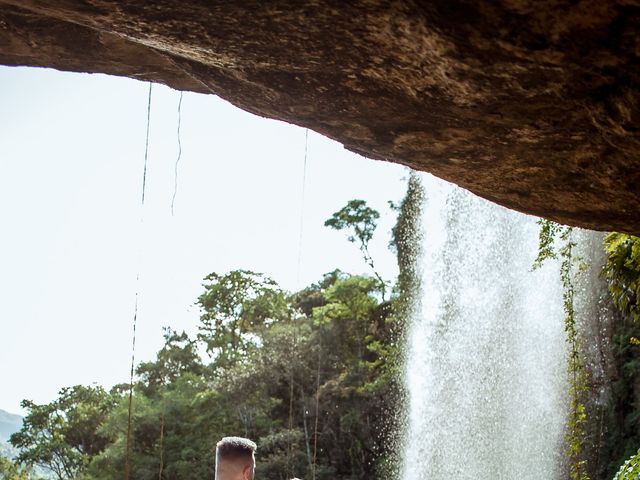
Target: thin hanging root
130,408
127,462
160,471
175,170
315,429
146,144
304,181
302,198
289,472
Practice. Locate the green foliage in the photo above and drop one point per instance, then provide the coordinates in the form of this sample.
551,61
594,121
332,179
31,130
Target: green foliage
236,308
630,470
10,470
361,221
280,452
622,271
551,234
178,356
356,216
64,434
623,412
547,241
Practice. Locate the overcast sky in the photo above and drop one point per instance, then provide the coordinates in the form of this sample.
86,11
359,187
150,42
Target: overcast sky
71,160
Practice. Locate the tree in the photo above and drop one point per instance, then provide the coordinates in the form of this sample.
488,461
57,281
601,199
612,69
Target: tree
179,355
361,221
64,435
236,308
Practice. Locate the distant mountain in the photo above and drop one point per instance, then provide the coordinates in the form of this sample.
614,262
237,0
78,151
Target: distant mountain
9,423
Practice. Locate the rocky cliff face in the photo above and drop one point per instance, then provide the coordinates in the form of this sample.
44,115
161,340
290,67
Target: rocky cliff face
531,104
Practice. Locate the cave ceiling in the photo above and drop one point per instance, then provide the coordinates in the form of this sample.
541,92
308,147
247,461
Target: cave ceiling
534,105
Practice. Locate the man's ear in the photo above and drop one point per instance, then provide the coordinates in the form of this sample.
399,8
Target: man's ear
246,472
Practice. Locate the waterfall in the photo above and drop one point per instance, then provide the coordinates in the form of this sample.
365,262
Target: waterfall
486,368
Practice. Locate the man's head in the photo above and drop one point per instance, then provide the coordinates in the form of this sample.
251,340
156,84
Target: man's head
235,459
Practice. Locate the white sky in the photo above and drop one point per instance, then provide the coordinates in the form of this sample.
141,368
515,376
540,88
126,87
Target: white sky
71,243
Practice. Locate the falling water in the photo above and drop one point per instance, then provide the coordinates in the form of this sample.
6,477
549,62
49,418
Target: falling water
486,352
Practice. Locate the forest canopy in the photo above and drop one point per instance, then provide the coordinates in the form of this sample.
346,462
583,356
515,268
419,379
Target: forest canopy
313,376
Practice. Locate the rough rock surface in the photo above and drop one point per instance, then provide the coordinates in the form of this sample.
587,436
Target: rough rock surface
533,104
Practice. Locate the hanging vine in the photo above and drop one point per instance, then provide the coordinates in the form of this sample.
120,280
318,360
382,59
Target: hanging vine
127,458
556,242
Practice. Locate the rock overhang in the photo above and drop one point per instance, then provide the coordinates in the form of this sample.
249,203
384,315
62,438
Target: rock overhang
534,105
